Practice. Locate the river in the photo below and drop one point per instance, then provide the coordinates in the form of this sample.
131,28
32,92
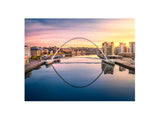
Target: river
80,79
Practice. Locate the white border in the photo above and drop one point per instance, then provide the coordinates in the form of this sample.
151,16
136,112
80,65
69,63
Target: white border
147,62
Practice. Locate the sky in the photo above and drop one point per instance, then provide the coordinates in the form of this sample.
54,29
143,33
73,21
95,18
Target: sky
54,32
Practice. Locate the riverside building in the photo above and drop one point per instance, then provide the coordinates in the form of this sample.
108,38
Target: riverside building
132,47
108,48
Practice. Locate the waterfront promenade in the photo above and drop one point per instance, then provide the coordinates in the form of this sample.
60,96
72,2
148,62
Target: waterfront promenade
37,63
125,62
33,64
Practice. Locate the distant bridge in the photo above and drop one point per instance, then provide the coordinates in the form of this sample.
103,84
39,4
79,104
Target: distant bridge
76,39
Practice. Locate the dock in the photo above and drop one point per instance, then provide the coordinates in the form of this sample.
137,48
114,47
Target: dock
129,64
125,64
35,64
48,62
109,62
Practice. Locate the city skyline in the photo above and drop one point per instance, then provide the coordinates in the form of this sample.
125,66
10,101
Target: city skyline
54,32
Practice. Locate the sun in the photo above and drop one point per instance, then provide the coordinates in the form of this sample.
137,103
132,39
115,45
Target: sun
127,44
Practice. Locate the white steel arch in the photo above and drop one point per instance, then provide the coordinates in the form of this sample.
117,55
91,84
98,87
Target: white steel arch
79,38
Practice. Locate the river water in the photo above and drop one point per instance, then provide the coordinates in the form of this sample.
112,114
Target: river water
80,79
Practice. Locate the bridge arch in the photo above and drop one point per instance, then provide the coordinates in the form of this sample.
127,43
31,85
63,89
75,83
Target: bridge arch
75,39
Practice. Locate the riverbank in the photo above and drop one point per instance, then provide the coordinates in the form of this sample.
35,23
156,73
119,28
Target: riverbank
33,65
46,82
37,63
124,62
129,64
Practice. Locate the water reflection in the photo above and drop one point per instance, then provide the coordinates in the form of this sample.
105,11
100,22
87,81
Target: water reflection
75,86
48,66
108,69
131,72
27,75
121,68
98,83
37,68
124,69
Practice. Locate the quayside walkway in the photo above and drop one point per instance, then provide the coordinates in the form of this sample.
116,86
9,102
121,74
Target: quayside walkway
125,63
37,63
33,64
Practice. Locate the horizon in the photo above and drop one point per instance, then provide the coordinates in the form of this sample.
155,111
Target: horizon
127,45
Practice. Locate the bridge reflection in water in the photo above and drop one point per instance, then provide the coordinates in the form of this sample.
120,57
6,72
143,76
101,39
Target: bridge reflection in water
108,69
76,79
105,66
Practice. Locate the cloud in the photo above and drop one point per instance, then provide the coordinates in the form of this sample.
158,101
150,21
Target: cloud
39,30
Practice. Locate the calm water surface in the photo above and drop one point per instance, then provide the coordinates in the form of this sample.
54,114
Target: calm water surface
80,79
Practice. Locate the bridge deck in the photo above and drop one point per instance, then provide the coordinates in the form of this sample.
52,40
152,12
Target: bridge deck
79,63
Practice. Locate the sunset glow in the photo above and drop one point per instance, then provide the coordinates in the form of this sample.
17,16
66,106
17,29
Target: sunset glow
54,32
